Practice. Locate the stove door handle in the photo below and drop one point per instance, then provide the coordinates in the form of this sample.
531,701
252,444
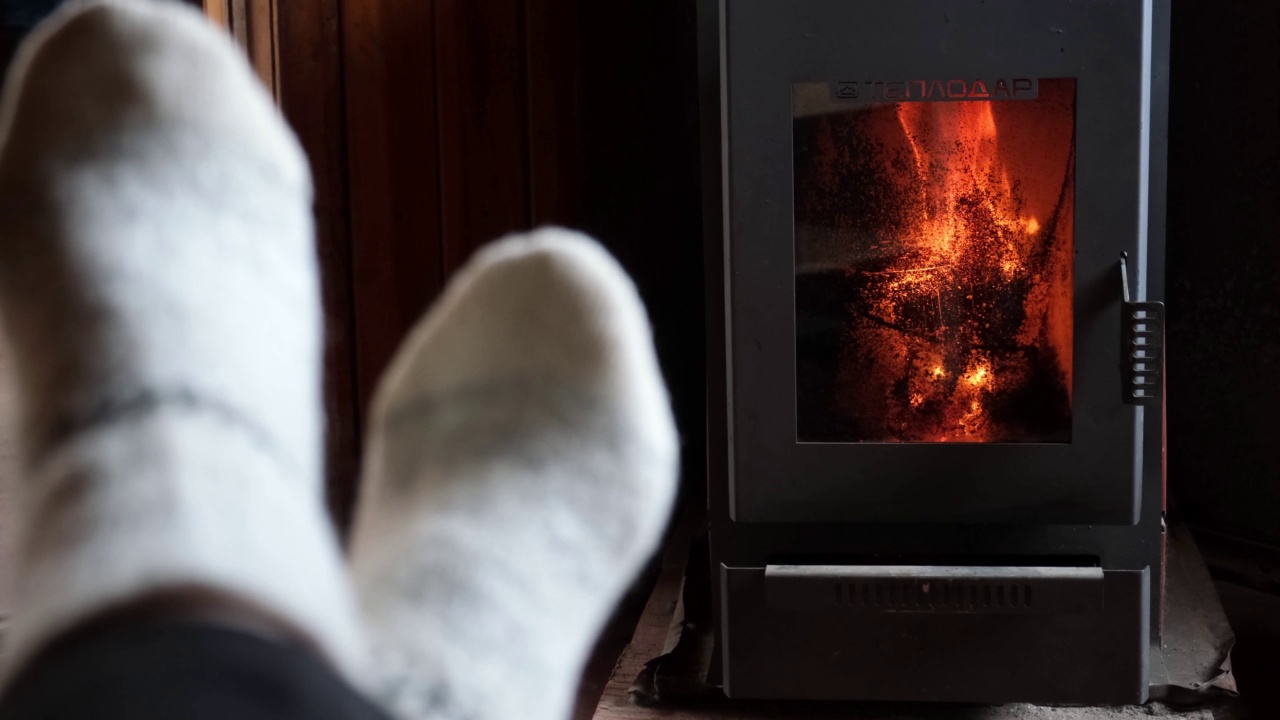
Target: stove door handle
1141,346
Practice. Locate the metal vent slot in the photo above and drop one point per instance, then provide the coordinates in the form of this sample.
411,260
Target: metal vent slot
933,595
929,589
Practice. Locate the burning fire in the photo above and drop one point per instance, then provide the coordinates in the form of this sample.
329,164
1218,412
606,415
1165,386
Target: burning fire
962,322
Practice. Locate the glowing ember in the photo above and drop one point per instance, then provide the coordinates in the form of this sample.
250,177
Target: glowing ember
980,377
936,240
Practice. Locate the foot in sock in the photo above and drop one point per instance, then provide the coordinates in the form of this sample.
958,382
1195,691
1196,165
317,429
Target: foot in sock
158,285
520,469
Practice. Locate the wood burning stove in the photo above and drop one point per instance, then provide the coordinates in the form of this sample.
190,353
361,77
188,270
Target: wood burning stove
935,228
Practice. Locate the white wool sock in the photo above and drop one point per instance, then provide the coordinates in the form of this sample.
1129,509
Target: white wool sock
158,284
520,469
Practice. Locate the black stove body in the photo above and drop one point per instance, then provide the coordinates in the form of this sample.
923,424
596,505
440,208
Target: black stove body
935,254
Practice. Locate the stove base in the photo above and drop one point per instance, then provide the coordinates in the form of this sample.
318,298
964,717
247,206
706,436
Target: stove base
789,633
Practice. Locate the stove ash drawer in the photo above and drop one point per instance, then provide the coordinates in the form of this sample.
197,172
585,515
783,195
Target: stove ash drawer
935,589
798,633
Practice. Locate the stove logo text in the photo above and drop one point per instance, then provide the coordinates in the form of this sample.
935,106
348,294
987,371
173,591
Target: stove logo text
935,90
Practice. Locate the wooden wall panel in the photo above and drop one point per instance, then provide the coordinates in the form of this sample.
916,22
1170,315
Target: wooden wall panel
393,151
260,37
439,137
484,134
219,11
253,25
308,34
467,120
553,59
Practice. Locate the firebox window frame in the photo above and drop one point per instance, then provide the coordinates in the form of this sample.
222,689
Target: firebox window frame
1096,479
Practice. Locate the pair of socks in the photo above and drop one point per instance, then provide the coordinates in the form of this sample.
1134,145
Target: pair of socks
158,287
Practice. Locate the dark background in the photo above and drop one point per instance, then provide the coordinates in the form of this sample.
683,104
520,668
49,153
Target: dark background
435,125
1223,264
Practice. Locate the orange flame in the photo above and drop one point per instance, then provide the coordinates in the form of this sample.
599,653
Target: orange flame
968,295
